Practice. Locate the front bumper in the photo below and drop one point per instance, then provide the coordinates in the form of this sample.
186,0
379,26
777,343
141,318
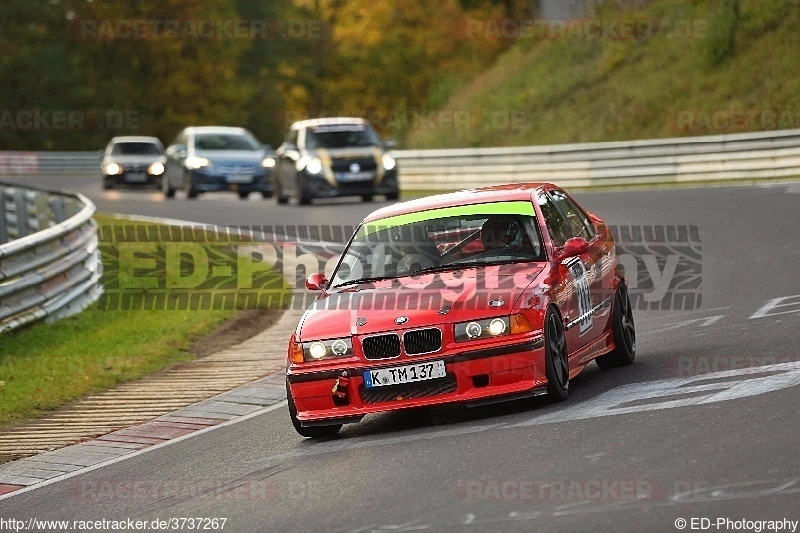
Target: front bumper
501,371
132,178
320,187
209,181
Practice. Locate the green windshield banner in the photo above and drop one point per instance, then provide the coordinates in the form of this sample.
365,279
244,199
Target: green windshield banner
521,207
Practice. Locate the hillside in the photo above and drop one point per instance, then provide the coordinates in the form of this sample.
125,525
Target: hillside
686,68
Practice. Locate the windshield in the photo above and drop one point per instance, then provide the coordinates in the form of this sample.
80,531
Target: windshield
341,136
442,239
135,148
225,141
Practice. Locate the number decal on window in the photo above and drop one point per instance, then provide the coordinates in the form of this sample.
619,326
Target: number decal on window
581,287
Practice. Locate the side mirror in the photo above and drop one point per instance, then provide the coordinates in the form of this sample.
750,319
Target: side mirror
390,144
574,247
316,282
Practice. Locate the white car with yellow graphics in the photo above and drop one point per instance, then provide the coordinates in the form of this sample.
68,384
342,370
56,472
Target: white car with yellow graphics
331,157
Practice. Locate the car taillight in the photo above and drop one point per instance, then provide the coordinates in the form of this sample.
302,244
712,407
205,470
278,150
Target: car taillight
520,324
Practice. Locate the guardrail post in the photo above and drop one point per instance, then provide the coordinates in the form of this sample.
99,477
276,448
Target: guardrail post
3,220
21,205
57,206
42,211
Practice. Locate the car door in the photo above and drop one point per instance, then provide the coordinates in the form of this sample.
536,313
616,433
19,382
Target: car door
573,289
587,270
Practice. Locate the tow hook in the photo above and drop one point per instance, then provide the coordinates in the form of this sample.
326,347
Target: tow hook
340,388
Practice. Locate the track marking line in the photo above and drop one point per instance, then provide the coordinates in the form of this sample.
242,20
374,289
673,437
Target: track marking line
274,407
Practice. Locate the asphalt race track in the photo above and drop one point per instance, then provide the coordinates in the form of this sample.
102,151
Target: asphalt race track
702,425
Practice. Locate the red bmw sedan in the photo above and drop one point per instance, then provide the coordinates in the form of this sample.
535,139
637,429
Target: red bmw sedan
471,297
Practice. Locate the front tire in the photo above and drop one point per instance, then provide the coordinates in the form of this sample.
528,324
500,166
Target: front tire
282,198
393,195
624,331
244,195
556,357
303,196
191,192
312,432
367,197
167,188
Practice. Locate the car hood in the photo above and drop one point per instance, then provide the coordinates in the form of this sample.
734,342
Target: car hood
133,159
233,157
374,307
353,152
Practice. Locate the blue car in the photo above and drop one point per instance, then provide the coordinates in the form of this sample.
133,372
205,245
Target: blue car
218,158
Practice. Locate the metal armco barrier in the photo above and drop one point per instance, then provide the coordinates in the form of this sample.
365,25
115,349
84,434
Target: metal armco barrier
741,156
49,262
746,156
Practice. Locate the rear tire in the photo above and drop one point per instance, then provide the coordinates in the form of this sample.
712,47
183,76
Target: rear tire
624,331
312,432
244,195
556,357
367,197
393,195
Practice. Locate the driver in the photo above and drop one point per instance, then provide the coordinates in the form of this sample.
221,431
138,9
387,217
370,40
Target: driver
501,232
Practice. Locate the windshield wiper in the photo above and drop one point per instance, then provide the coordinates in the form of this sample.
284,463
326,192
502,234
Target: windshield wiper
440,268
364,280
496,262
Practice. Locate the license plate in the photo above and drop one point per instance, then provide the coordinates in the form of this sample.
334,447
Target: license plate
135,177
240,178
404,374
354,176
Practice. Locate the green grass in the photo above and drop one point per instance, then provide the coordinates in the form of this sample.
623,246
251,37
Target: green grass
547,91
47,365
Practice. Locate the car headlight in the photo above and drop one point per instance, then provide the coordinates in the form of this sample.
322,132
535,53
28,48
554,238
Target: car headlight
314,166
268,162
492,327
112,169
156,169
316,350
194,163
388,162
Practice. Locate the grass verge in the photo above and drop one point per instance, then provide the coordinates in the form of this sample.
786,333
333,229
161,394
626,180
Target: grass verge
47,365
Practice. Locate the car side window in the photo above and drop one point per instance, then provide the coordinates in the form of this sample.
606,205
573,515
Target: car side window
578,223
557,226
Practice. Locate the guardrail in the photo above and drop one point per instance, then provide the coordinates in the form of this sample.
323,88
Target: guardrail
49,261
746,156
743,156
